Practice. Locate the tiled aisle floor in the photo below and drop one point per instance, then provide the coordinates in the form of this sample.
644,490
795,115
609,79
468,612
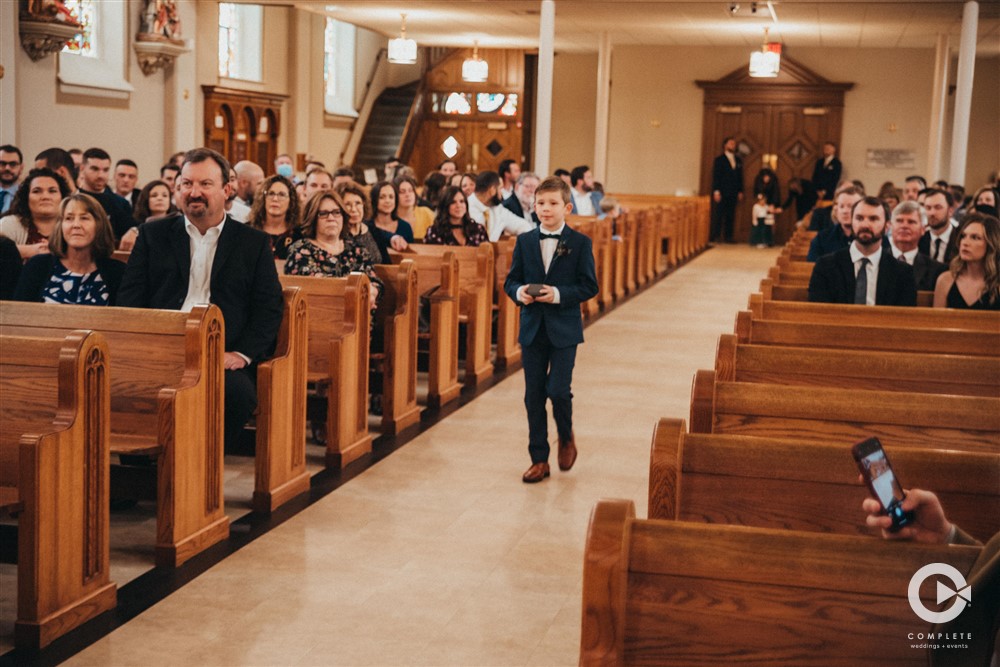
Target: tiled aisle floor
439,555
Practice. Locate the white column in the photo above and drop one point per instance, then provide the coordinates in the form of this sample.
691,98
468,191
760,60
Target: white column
603,108
963,92
543,103
939,100
9,44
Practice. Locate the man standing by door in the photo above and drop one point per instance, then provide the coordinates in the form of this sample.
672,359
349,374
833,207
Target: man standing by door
727,191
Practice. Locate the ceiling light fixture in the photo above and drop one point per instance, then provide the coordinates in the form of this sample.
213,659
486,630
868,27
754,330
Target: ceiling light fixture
402,51
766,63
475,69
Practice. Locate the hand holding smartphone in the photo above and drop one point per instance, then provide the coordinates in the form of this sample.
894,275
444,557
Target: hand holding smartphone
881,480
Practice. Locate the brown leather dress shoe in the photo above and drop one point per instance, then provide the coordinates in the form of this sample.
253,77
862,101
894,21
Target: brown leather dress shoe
567,453
536,473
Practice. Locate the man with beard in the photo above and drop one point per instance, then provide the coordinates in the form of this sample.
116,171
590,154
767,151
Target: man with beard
727,191
11,162
94,179
522,202
509,171
837,236
201,255
863,273
940,242
486,209
907,228
586,201
249,176
234,207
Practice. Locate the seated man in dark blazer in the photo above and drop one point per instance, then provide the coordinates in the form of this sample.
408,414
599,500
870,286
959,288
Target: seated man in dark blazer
201,255
864,273
907,228
838,235
522,202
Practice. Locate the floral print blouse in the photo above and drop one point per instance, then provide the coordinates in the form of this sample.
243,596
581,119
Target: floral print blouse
307,258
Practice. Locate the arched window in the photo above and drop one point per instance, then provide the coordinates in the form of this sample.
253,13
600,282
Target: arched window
338,68
82,43
241,35
95,61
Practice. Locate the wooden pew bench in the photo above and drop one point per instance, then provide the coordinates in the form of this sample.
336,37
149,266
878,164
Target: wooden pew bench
927,373
677,593
750,329
475,281
339,335
508,315
801,485
166,402
845,416
54,477
396,323
799,291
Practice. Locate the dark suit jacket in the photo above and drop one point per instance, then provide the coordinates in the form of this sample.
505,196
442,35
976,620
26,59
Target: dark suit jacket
826,176
571,272
513,204
924,246
118,209
244,281
833,280
821,219
39,269
828,240
725,179
926,272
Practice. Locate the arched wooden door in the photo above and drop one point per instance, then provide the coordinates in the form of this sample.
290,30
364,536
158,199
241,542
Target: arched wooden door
219,128
243,125
781,123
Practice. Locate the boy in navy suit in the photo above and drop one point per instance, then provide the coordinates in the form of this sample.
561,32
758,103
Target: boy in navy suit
551,274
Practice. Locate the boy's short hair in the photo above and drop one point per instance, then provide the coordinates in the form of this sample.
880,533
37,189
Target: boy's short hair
555,184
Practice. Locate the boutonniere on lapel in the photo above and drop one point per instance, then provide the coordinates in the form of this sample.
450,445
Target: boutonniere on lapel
562,249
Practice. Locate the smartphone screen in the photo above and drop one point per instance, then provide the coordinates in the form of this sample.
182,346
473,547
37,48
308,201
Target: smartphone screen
877,471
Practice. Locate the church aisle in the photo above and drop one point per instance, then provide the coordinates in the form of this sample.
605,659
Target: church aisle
439,555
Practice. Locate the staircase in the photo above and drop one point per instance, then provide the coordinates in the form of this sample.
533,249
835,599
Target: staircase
385,126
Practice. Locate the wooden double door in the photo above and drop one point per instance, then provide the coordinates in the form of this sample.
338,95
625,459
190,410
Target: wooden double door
477,145
781,124
243,125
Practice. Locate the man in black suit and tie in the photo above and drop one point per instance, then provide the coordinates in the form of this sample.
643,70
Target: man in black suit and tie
907,229
551,274
522,202
864,273
727,190
940,242
826,173
201,255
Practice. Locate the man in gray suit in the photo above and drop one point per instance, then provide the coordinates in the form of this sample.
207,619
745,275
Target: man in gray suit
907,228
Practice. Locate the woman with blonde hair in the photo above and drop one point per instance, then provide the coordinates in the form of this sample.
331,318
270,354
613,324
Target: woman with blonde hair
973,279
78,268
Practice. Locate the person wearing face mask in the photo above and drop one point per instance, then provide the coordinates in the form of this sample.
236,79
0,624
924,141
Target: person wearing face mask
485,207
78,268
283,166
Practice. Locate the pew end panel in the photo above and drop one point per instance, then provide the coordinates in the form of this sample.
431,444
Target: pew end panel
665,456
605,571
54,447
397,321
280,465
508,350
702,401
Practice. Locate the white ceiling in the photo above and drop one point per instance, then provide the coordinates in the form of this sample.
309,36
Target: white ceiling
579,23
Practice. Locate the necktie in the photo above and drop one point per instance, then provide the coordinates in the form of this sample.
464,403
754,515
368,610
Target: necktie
861,286
902,258
548,236
937,250
3,198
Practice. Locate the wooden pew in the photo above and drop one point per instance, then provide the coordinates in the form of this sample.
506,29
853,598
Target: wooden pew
810,486
883,316
508,315
618,268
339,335
280,458
772,291
476,281
858,368
677,593
750,329
166,401
588,226
832,414
54,470
396,320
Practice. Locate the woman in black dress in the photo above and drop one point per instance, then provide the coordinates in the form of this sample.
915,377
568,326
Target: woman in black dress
973,279
452,225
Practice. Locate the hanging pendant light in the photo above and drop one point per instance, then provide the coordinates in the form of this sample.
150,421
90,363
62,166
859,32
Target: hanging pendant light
766,63
402,51
475,69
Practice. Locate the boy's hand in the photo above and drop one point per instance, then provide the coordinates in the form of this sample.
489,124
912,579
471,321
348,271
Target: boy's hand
546,295
524,297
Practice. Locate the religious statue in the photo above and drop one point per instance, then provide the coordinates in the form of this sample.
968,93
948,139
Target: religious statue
161,19
51,10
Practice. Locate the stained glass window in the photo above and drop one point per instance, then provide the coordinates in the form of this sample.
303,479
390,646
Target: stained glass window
510,106
450,147
489,102
330,56
83,42
338,68
240,39
459,104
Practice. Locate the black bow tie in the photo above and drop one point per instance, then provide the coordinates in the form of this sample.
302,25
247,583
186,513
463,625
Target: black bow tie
548,236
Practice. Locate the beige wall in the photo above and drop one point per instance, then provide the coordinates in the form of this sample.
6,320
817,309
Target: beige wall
984,125
574,111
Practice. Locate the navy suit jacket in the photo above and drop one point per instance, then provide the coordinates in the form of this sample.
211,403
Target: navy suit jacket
926,272
513,204
726,180
244,283
826,176
833,280
571,272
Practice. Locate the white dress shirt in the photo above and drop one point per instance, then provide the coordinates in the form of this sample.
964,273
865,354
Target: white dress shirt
203,248
548,248
945,236
584,204
239,211
497,219
871,270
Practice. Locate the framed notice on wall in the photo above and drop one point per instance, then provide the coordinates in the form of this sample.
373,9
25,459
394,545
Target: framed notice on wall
890,158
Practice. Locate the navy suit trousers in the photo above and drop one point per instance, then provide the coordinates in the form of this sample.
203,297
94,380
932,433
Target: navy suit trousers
548,373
